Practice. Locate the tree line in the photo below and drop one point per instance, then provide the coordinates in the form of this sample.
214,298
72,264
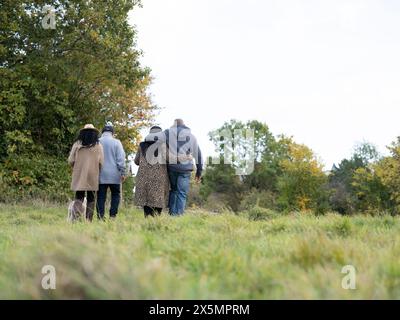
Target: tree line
288,176
87,70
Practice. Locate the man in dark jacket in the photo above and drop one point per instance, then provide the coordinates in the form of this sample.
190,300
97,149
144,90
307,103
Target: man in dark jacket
181,144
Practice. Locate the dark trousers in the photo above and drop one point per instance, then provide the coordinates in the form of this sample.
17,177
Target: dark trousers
151,211
115,199
80,195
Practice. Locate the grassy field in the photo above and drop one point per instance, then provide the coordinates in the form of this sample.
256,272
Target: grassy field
198,256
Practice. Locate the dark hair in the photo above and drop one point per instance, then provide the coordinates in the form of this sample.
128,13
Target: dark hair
88,137
108,129
156,128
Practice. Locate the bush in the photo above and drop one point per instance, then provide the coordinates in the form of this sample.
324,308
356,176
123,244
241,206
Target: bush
261,198
222,180
35,176
258,213
127,190
218,203
195,199
341,199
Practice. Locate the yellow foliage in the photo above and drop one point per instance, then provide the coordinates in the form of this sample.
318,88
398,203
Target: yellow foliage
303,177
303,203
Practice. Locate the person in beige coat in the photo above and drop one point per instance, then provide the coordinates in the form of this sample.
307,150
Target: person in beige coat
86,158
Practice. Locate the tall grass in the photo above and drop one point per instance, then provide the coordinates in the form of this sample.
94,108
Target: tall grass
197,256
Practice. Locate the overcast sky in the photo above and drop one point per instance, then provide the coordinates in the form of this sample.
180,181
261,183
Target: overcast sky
325,71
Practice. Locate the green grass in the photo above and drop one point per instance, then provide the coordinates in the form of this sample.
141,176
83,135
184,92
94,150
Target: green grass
197,256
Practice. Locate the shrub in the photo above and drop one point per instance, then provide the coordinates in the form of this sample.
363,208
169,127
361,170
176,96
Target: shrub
343,227
258,213
127,190
217,202
262,198
222,180
34,176
42,177
195,199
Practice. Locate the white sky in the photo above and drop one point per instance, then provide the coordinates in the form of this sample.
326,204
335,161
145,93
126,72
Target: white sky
325,71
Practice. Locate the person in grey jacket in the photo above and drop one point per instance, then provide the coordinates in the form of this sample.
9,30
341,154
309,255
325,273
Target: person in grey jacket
112,173
181,143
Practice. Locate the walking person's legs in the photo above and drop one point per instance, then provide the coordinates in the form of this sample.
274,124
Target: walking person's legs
115,199
151,211
101,200
180,183
80,195
173,179
183,186
148,211
78,209
90,205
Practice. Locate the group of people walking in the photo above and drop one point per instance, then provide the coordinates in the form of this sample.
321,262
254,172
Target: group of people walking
165,159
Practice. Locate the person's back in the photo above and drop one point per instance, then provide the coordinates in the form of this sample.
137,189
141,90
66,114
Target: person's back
152,183
114,159
112,173
181,143
86,158
86,167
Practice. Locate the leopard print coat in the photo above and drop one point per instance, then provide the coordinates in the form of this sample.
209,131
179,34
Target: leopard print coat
152,182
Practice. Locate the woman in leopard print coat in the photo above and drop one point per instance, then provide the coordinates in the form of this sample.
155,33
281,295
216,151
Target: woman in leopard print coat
152,182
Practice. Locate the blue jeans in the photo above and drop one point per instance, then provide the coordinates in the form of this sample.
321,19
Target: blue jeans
180,183
101,199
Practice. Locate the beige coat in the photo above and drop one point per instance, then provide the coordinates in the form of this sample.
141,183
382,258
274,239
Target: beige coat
86,164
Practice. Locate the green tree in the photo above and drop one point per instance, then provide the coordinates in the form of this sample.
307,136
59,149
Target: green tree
266,157
52,81
231,138
84,70
348,178
388,172
282,169
372,195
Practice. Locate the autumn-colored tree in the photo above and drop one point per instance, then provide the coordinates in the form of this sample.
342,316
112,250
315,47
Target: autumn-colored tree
302,183
84,70
388,172
54,80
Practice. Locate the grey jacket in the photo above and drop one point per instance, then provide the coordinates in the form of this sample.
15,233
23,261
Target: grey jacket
181,141
114,160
